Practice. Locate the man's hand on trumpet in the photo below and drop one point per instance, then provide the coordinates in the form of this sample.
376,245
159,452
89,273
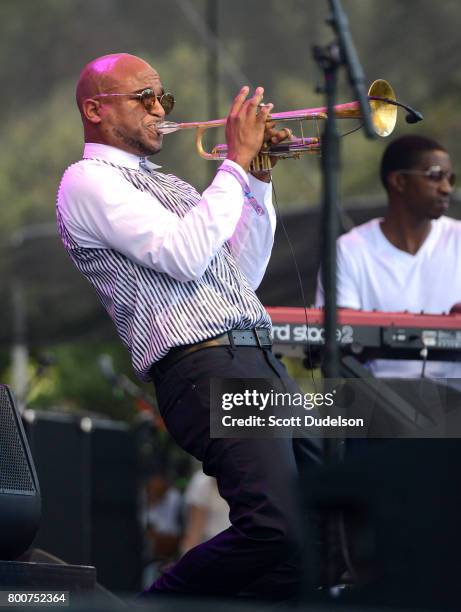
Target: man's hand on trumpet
272,136
247,128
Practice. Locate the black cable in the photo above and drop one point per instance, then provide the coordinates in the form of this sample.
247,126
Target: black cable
359,127
300,284
343,540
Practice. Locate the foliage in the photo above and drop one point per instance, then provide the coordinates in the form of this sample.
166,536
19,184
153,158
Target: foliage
68,377
41,133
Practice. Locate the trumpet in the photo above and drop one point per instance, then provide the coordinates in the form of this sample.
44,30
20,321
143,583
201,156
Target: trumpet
383,107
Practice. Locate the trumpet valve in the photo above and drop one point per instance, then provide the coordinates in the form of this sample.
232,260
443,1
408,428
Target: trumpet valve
262,162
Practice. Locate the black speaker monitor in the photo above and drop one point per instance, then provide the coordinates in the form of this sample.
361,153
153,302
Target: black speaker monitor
20,501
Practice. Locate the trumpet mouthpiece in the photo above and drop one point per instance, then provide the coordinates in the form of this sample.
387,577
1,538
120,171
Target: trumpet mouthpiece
167,127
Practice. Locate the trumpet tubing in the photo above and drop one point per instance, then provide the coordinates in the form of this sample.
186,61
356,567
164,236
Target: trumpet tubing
383,108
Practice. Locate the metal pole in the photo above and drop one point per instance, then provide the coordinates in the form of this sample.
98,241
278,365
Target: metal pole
329,59
330,224
212,70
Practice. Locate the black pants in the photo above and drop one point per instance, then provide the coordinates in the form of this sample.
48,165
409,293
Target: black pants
257,477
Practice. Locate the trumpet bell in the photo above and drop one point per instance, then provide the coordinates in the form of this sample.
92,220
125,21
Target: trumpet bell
383,114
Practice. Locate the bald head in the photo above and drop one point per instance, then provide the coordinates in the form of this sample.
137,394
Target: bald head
120,120
104,74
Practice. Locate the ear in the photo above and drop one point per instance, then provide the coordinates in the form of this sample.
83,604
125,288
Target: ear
396,181
92,110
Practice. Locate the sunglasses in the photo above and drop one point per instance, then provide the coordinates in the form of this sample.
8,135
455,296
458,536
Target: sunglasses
434,174
148,99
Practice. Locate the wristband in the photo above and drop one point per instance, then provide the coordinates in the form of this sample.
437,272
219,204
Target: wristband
249,197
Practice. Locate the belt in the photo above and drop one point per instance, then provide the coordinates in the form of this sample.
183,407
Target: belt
235,337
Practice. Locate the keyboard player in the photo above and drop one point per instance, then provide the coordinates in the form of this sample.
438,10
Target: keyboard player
410,259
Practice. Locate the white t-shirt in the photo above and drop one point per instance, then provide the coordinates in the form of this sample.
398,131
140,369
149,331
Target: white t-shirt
202,491
164,516
373,274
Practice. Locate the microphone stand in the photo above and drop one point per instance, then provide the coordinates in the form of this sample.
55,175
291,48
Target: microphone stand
330,58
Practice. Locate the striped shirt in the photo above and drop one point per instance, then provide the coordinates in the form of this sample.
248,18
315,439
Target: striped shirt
171,267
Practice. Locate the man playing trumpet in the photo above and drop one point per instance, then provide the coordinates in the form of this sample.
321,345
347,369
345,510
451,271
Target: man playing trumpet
177,272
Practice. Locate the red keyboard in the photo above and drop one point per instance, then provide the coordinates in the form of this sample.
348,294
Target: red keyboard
369,333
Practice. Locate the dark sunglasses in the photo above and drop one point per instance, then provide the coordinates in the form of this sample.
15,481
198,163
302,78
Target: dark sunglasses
434,174
148,98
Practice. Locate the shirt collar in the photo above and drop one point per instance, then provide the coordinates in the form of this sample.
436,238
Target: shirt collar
116,156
